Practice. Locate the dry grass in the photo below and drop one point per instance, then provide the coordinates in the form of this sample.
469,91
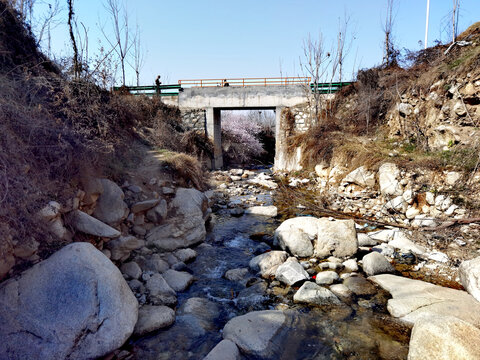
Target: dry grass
185,169
54,131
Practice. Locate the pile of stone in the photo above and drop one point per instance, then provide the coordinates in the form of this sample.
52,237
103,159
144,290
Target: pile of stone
147,234
390,194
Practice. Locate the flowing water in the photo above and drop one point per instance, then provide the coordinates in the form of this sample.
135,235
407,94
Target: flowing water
361,330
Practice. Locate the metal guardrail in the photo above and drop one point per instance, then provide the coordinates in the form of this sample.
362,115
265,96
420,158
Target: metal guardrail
245,82
151,90
328,88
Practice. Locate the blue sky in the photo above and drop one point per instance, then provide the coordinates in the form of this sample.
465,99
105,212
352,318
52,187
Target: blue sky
192,39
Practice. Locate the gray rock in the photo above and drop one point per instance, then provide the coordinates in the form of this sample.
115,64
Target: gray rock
110,208
444,338
131,269
270,211
136,286
152,263
160,293
337,238
359,286
178,280
326,278
311,293
151,318
144,205
254,332
375,263
236,274
224,350
185,229
122,247
402,242
291,272
388,175
185,255
361,177
158,213
203,310
267,264
414,299
297,234
341,291
73,305
469,273
89,225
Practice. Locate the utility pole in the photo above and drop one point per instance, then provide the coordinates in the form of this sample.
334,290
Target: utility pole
426,25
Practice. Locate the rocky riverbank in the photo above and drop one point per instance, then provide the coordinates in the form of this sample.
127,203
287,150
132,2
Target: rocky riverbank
217,274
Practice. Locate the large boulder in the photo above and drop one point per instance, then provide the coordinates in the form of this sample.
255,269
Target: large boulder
110,207
311,293
186,227
388,175
444,338
297,235
267,264
414,299
361,177
307,236
73,305
469,272
89,225
337,238
254,333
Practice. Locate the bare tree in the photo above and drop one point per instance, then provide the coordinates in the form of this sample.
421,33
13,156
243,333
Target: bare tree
344,44
122,42
390,53
73,40
24,8
47,19
315,65
138,54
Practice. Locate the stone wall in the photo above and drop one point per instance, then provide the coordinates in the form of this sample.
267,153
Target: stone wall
194,119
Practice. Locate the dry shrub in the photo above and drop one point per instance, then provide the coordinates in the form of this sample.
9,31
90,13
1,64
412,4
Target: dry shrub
186,170
317,144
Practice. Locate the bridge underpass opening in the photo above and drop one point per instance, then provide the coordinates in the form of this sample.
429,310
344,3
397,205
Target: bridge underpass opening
247,137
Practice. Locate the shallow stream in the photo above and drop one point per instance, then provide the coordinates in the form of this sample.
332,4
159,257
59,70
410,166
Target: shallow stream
360,330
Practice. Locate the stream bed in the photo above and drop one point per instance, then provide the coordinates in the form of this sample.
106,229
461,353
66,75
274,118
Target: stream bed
360,328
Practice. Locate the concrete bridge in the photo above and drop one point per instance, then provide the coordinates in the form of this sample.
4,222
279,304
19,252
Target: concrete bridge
201,109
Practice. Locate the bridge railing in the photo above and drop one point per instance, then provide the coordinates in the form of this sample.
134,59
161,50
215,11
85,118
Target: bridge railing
328,88
244,82
174,89
150,90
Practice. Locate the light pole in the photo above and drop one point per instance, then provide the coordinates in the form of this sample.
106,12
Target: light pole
426,25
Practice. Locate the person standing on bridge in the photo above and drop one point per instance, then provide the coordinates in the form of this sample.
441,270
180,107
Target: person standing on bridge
157,84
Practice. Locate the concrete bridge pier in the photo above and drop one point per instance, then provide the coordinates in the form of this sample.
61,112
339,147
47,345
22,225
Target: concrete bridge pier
214,132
